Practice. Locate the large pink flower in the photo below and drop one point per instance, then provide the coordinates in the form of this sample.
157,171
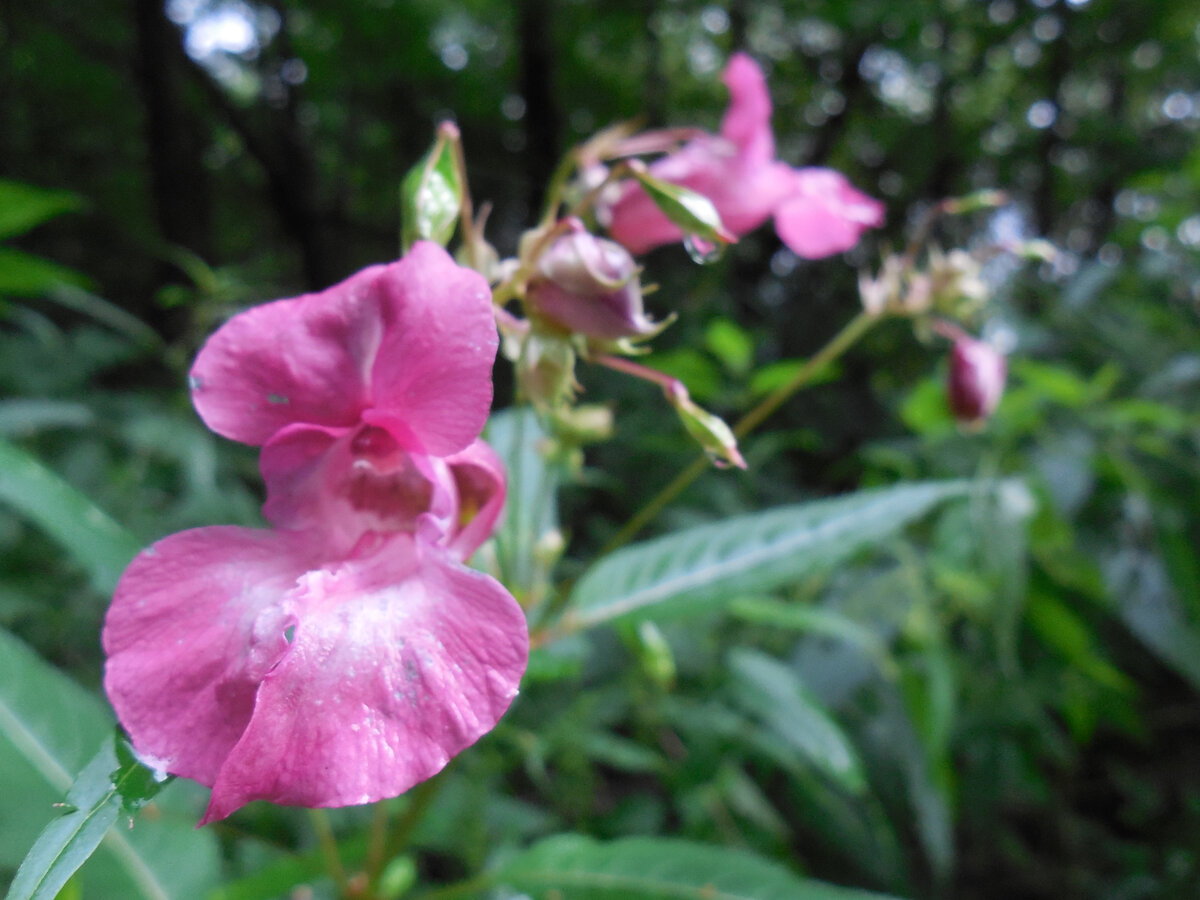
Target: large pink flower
348,653
817,211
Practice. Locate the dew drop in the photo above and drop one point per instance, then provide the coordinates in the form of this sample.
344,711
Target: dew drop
702,251
277,399
195,383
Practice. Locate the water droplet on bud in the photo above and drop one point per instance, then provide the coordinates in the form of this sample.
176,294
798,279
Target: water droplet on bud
702,251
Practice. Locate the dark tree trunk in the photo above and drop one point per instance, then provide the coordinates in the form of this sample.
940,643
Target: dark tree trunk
542,117
178,182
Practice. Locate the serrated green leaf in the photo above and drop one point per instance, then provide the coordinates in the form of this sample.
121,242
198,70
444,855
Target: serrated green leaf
101,546
24,206
572,867
774,694
750,553
431,195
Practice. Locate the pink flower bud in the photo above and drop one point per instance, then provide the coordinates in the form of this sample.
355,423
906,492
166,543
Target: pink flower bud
589,285
977,373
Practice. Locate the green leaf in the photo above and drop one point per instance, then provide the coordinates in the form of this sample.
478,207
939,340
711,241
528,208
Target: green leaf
925,410
773,376
101,546
1056,383
811,620
572,867
431,193
18,417
26,275
774,694
531,513
49,726
24,207
731,344
693,213
105,312
112,783
750,553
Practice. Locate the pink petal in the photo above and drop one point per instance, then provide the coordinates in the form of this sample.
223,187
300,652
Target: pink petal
747,121
397,663
197,621
300,360
479,476
824,214
433,371
412,343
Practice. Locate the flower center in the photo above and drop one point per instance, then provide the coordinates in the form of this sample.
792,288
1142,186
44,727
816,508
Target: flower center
385,481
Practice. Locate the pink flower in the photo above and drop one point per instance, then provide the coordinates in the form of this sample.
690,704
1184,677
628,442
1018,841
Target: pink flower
817,211
346,654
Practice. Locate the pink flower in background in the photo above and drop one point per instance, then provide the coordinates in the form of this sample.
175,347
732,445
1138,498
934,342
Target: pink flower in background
348,653
817,211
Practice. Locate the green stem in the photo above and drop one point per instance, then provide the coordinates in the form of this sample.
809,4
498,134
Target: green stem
377,843
329,849
422,796
839,344
557,185
615,174
637,370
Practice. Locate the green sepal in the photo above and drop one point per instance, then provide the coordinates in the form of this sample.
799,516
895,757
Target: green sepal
431,193
694,213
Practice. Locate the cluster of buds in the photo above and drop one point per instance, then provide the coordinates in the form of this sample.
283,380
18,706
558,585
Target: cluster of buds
571,294
939,289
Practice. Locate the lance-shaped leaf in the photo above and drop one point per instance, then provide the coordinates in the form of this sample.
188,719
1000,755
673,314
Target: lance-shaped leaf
744,554
694,213
774,694
431,193
48,728
26,275
572,867
112,783
24,206
101,546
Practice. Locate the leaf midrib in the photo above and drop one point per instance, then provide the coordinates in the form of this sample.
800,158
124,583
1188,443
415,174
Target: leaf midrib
38,756
679,583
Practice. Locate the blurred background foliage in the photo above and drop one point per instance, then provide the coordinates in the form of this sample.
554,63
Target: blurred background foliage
1002,703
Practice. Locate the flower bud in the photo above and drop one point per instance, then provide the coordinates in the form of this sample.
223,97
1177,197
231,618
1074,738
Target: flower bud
711,432
546,371
976,381
588,285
